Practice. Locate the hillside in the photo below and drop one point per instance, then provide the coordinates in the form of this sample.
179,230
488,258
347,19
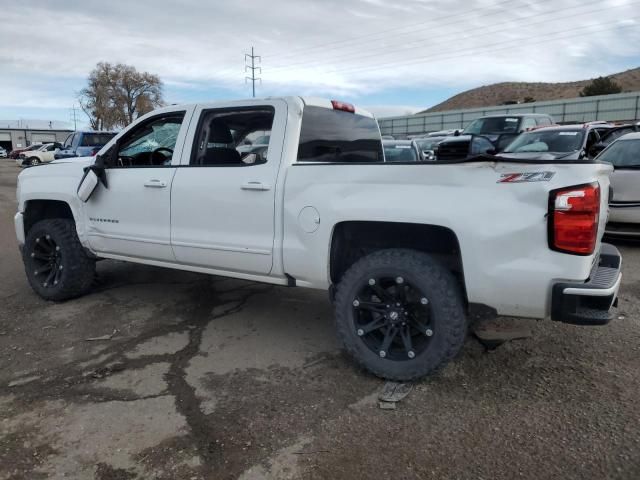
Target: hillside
499,93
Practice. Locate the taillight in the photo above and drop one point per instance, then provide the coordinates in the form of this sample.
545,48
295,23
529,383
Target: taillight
345,107
573,219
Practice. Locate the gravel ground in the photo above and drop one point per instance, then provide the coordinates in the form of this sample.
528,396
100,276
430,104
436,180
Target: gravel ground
195,377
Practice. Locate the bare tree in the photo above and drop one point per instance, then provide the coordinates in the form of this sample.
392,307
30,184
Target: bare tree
116,95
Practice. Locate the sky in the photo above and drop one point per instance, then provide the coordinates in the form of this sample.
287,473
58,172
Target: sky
390,56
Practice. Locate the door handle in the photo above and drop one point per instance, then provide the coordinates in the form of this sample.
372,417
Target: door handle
155,184
255,186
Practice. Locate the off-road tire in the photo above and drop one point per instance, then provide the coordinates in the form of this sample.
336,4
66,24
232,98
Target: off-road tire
446,308
78,272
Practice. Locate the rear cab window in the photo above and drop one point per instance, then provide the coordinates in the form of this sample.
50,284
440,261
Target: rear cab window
335,136
96,139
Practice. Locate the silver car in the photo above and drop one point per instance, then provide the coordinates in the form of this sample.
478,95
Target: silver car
624,205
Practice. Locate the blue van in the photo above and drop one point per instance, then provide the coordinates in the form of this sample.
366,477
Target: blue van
83,144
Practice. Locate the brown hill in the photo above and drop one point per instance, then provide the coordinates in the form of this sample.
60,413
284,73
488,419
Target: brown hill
501,93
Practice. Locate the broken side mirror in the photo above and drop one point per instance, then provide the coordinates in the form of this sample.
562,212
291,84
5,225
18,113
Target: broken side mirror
87,185
93,175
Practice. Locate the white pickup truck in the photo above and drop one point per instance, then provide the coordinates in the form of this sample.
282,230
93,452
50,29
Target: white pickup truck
407,251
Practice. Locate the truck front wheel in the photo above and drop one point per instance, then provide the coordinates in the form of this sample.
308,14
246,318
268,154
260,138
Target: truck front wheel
400,314
56,265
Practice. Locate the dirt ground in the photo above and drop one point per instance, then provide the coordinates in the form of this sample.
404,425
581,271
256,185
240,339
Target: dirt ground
188,376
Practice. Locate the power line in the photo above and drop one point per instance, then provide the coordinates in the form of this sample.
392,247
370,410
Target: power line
228,73
393,29
406,46
253,69
447,55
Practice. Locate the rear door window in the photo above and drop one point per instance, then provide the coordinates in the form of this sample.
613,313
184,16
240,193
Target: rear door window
336,136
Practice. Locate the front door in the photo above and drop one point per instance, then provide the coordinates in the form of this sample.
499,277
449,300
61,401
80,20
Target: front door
223,197
131,217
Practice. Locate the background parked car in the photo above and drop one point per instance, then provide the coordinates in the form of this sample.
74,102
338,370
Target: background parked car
612,134
84,144
566,142
401,151
44,154
3,153
427,146
15,153
624,206
490,133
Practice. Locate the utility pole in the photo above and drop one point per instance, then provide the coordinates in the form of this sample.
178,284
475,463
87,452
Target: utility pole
253,69
74,117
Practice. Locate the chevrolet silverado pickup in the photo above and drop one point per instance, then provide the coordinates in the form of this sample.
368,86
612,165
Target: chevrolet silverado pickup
408,251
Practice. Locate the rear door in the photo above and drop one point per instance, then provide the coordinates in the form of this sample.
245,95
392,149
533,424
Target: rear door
223,199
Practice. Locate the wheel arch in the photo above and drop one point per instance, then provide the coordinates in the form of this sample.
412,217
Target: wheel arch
351,240
41,209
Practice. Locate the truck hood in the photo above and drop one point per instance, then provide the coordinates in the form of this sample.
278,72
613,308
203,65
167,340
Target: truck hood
84,161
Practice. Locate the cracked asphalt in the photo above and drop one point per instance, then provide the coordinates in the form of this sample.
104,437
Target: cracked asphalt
189,376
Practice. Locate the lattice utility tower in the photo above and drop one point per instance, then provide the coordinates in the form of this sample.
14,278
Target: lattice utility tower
253,69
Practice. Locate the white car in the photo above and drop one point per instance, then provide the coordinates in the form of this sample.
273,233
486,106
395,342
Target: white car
44,154
3,153
407,251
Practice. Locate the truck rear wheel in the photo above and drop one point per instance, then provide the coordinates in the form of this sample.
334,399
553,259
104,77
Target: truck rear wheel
56,264
400,314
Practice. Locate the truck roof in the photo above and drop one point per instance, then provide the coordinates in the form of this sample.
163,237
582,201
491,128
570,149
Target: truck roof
307,100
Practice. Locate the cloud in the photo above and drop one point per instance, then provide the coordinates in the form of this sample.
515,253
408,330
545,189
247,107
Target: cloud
351,48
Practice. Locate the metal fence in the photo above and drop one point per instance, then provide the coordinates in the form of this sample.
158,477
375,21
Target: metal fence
614,108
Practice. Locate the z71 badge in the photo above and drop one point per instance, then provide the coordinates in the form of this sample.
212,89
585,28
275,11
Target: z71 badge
526,177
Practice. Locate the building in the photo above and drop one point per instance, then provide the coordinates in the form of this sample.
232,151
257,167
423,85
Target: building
12,138
620,107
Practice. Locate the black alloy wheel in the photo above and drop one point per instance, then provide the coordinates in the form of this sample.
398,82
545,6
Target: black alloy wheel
393,318
47,260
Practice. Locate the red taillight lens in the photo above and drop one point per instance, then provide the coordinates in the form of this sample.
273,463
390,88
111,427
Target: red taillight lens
574,213
345,107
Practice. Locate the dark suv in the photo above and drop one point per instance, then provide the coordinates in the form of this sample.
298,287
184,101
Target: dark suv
84,144
489,134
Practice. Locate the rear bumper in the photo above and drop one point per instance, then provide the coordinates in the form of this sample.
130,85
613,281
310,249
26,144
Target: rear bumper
620,229
590,302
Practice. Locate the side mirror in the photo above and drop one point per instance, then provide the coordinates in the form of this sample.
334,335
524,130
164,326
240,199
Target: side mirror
93,175
87,185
